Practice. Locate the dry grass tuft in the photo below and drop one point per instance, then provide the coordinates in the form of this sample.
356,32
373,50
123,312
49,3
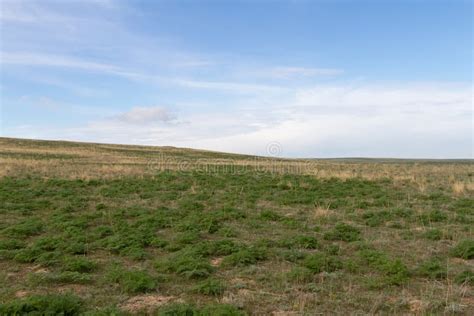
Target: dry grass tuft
460,188
322,211
417,307
145,303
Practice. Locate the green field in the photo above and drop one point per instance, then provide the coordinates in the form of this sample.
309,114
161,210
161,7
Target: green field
116,230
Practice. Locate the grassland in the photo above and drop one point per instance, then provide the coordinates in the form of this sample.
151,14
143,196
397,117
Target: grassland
109,229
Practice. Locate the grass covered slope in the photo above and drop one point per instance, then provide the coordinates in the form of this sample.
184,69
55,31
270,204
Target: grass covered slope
102,229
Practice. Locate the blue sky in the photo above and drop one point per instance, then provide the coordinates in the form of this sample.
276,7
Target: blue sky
318,78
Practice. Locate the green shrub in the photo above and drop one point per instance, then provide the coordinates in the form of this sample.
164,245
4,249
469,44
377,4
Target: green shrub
343,232
396,272
100,206
300,275
48,243
32,254
106,311
27,255
158,242
333,249
75,247
102,231
433,217
188,263
222,247
292,255
60,278
134,253
292,223
51,258
183,239
373,257
433,234
220,310
195,222
227,232
183,309
270,215
433,268
302,241
132,281
7,254
24,229
11,244
465,277
211,287
402,212
78,264
464,249
374,219
51,304
245,256
352,265
320,262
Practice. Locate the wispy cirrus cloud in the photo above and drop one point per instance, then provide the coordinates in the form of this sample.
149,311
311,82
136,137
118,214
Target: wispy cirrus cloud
33,59
292,72
73,63
40,12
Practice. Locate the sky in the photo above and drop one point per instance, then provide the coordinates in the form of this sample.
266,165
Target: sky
276,78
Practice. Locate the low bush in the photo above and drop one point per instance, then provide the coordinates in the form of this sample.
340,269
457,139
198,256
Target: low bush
247,256
343,232
302,241
183,309
78,264
377,218
210,287
188,263
60,278
395,271
132,281
320,262
433,234
11,244
465,277
292,255
300,275
464,249
24,229
433,216
333,249
222,247
270,215
433,269
51,304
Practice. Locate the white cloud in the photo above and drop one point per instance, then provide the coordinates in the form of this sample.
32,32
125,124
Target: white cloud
45,60
398,96
290,72
26,59
228,86
145,115
40,12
